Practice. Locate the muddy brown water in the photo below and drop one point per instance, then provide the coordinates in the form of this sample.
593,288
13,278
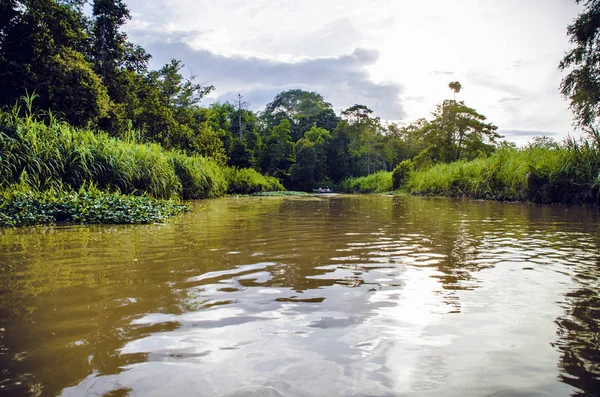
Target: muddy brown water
319,296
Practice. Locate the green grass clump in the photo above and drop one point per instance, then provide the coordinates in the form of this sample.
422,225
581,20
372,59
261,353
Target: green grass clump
21,206
200,177
378,182
248,181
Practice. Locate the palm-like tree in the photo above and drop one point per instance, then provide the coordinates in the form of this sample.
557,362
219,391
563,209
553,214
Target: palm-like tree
455,87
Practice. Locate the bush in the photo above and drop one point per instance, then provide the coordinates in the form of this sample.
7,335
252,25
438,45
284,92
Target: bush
248,180
378,182
401,174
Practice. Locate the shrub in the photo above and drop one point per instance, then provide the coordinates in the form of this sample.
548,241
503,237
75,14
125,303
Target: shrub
248,180
401,174
378,182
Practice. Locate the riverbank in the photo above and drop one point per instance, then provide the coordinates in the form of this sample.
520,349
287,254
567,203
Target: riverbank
566,173
46,166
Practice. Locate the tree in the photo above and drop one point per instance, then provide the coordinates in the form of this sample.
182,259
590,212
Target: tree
244,152
358,114
365,144
457,131
303,109
108,41
455,86
43,41
581,86
278,153
311,159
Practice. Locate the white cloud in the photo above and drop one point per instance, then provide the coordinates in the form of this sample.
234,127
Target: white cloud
497,49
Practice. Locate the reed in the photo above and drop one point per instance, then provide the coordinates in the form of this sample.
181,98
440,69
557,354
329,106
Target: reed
568,173
248,181
565,173
47,153
378,182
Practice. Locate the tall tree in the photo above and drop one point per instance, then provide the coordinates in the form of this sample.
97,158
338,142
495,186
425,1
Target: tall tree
457,131
582,83
303,109
109,41
42,47
311,159
278,153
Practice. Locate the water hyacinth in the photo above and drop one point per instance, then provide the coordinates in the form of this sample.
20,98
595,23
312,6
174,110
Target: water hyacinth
26,207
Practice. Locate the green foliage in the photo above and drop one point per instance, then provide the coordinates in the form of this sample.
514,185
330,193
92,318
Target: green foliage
278,153
567,174
310,168
200,177
378,182
457,132
247,180
54,154
302,109
582,84
357,145
22,206
401,174
41,49
544,172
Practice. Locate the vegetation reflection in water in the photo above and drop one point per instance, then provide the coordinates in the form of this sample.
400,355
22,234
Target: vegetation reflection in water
307,296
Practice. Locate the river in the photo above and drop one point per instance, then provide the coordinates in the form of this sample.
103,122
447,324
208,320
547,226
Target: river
319,296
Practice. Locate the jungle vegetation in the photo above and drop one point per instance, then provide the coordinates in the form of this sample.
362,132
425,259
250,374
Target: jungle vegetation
82,110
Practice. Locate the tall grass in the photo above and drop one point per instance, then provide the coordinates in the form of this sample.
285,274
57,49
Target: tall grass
45,153
569,173
378,182
566,173
246,181
200,177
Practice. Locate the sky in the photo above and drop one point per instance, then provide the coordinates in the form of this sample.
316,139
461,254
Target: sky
394,56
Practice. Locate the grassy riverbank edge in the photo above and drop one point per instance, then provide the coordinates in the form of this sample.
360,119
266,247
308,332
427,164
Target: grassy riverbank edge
53,172
568,173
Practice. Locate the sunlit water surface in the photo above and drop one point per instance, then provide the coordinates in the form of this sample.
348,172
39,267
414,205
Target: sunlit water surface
322,296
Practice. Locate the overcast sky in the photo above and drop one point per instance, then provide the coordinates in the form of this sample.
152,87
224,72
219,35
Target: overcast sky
395,56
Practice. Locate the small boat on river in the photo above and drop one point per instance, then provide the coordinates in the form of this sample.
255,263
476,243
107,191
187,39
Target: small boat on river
321,190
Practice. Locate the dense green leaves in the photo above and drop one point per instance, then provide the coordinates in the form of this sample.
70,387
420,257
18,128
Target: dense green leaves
278,153
24,207
401,174
582,83
302,109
